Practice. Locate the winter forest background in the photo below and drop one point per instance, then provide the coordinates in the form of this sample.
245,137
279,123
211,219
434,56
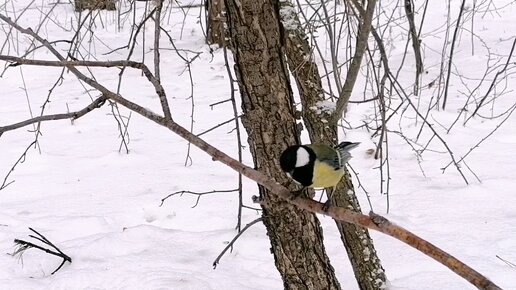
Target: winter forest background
99,151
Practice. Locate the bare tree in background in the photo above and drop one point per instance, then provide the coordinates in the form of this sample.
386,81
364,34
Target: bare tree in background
81,5
215,20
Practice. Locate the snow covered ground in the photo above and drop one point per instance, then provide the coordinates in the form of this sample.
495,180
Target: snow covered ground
101,206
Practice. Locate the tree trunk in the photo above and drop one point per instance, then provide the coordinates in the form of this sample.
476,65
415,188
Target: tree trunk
359,245
215,22
81,5
267,102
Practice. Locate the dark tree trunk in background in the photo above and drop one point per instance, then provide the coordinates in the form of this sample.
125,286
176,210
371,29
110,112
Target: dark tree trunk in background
295,235
81,5
215,22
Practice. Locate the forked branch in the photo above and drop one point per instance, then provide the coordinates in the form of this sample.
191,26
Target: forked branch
24,245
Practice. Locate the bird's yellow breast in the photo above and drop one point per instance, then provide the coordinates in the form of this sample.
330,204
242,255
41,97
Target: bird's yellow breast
325,175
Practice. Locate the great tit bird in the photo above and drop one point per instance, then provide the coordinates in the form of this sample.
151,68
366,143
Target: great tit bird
316,165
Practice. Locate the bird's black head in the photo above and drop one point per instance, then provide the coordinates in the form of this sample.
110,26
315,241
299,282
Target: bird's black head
288,158
298,162
296,156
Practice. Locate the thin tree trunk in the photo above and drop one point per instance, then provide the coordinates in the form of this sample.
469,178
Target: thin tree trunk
215,22
267,102
359,245
356,61
81,5
409,10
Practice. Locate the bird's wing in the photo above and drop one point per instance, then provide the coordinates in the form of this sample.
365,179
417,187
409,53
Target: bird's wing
328,155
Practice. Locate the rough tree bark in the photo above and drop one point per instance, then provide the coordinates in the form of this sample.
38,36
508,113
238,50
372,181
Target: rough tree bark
81,5
357,241
267,102
215,22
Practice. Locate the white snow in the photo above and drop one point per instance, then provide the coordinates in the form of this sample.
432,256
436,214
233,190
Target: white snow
287,14
326,107
102,207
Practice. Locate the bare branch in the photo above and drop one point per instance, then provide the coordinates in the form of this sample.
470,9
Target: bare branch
21,159
230,244
238,136
509,263
409,10
157,30
217,126
24,245
399,90
72,115
493,83
354,67
160,91
199,194
485,137
454,39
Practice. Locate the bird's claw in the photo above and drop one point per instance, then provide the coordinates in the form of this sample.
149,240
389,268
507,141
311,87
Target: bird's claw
296,194
326,205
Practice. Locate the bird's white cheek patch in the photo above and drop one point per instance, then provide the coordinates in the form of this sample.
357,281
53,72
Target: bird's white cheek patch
302,157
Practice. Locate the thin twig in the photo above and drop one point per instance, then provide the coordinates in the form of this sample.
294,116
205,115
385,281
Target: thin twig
230,244
509,263
21,159
24,245
452,49
238,134
72,115
217,126
493,83
157,30
409,10
199,194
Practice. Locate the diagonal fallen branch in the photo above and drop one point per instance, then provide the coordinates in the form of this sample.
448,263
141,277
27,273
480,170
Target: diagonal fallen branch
373,221
24,245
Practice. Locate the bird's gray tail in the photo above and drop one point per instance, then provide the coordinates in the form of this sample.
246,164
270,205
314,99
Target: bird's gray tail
343,148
